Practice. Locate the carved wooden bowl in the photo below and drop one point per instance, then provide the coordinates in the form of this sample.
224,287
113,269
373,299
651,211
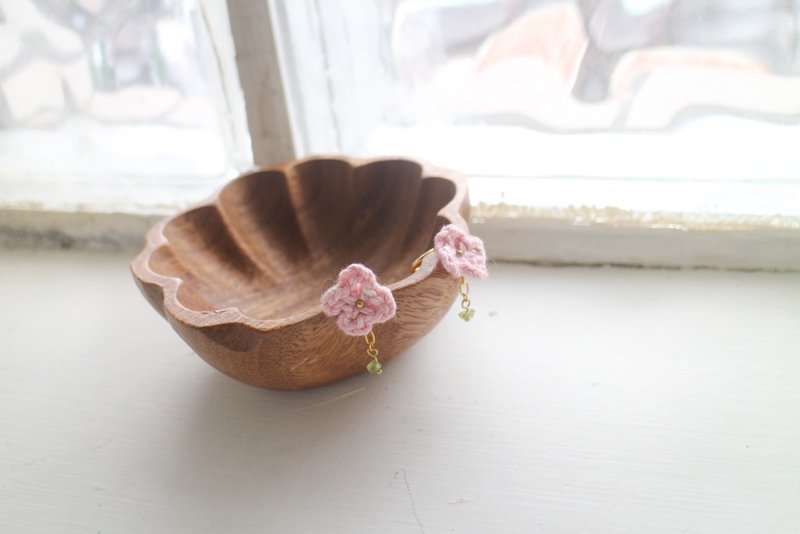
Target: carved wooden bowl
240,277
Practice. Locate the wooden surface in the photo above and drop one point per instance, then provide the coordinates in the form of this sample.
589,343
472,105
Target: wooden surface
240,277
577,400
261,80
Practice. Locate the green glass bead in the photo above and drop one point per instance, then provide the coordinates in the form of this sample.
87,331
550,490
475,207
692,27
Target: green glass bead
467,314
374,367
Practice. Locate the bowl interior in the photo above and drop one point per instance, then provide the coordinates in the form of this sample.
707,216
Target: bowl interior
275,240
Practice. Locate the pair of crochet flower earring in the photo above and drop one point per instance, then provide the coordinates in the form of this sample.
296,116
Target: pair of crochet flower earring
358,301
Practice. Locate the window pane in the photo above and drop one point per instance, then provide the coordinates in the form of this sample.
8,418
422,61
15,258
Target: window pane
597,65
692,91
109,92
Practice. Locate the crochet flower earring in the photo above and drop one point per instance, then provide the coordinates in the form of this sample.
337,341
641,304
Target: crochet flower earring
462,255
358,301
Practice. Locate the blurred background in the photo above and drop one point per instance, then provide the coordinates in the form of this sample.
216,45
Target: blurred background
115,103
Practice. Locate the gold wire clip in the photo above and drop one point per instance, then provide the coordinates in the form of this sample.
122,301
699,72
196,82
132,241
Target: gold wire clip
416,264
374,367
466,312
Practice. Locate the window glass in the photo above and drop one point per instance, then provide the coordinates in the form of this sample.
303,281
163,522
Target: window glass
683,91
111,92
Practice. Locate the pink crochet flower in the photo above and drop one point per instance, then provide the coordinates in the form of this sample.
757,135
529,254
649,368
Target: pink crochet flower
358,301
461,254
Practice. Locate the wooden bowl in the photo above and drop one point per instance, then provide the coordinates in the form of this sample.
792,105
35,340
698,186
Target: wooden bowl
240,277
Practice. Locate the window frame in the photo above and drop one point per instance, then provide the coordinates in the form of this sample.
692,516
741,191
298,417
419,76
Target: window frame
528,232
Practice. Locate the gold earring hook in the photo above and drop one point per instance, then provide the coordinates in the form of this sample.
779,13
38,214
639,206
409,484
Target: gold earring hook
416,264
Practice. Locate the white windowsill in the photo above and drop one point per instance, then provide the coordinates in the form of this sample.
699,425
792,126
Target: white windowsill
558,220
553,235
577,400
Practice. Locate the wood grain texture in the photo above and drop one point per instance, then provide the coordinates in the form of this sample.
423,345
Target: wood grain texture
240,277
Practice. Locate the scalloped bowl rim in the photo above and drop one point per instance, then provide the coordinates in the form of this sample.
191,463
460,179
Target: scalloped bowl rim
155,238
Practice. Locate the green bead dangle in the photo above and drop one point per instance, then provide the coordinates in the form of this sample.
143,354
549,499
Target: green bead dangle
374,367
466,313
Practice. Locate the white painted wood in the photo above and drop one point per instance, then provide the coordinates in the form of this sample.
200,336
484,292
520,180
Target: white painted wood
356,78
228,91
556,241
302,49
578,400
261,79
542,241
